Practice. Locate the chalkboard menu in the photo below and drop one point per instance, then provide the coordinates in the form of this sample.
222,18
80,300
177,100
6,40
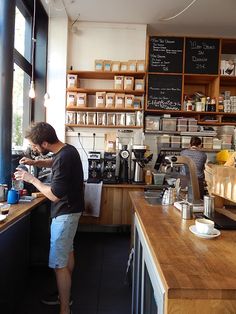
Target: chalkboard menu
164,92
165,54
201,56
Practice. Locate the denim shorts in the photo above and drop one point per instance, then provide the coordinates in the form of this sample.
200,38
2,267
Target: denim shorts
63,229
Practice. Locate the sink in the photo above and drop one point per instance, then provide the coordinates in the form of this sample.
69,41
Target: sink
153,197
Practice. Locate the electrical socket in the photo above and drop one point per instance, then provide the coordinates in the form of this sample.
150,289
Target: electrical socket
78,134
94,134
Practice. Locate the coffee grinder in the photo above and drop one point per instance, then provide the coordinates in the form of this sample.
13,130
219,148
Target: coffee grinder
109,171
94,167
124,155
125,140
139,162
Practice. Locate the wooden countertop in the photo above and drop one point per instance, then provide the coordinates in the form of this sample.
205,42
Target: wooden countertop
17,211
190,267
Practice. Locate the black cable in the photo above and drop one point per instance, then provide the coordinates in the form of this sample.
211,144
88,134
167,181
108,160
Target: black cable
82,145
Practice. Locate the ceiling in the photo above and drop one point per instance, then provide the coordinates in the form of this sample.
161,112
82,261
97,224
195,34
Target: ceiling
202,17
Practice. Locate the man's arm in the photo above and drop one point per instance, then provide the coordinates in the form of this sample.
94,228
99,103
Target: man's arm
46,163
43,188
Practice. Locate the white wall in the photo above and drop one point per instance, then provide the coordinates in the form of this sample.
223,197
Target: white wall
57,69
106,41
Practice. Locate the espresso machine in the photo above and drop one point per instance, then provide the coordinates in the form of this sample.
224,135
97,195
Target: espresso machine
140,161
109,171
94,167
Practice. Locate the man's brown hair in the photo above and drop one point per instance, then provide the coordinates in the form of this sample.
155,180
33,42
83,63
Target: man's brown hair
195,141
41,132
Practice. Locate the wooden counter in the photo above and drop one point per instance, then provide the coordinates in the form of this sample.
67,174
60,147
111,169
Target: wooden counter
199,275
115,205
18,211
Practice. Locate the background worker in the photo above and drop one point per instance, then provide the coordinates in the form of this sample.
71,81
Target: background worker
199,158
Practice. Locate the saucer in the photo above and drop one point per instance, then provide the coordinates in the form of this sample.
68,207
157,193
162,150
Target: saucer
215,234
2,217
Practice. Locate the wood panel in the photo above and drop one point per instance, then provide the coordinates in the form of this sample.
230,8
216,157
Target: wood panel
116,205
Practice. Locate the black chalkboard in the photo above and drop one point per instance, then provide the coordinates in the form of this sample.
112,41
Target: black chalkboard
166,54
201,56
164,92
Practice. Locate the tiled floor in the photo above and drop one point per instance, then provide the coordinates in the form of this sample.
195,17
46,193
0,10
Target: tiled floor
99,285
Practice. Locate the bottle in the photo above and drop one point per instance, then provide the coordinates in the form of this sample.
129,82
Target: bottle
208,102
213,105
189,105
17,184
221,104
148,177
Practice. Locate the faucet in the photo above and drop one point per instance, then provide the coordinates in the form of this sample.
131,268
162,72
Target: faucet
173,160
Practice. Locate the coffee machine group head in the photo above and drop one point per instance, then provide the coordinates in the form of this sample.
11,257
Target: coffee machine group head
139,162
94,167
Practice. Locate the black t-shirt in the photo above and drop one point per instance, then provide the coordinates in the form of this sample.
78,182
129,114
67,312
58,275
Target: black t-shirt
67,182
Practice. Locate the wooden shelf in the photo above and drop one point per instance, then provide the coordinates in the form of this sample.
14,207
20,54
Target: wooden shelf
183,112
179,149
104,126
95,109
105,75
90,91
216,123
199,78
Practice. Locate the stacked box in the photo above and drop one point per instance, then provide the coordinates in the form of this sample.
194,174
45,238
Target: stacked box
168,124
192,125
216,143
207,142
175,141
163,140
182,124
185,141
152,123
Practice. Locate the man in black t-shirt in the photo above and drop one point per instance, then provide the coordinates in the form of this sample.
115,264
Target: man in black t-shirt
67,195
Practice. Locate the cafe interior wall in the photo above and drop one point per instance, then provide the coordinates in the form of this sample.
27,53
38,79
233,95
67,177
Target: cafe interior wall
78,47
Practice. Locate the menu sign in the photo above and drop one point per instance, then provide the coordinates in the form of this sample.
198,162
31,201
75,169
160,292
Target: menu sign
202,56
165,54
164,92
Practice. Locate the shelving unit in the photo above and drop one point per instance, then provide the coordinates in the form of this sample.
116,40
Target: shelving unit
195,65
91,82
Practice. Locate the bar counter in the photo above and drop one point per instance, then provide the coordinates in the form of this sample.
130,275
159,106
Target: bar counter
198,275
17,211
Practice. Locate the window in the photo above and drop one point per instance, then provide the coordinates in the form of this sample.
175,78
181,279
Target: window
22,34
22,71
21,112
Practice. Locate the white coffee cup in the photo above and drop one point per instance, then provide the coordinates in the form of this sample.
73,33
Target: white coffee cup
205,226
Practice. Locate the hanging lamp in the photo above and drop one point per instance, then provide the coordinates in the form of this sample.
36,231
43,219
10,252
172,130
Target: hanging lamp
32,87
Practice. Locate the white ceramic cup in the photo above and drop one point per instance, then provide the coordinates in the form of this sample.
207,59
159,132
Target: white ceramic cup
204,226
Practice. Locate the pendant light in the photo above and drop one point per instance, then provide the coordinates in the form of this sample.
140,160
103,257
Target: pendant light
32,89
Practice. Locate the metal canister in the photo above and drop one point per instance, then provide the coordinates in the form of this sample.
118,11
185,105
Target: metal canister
209,205
187,211
3,192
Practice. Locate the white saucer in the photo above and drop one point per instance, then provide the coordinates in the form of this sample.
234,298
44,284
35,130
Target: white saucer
2,217
215,234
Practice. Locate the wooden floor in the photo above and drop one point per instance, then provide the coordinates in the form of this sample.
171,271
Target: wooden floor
99,279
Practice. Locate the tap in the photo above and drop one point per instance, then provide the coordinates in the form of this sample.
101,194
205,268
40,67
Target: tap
184,160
